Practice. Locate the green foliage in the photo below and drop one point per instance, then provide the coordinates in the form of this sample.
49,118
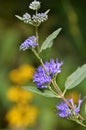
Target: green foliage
76,77
19,17
43,92
49,40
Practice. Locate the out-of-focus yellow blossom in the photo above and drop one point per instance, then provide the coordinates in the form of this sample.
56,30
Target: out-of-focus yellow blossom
22,74
19,95
74,95
22,115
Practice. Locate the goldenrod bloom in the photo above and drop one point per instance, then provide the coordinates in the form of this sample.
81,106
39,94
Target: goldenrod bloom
22,115
19,95
74,95
22,74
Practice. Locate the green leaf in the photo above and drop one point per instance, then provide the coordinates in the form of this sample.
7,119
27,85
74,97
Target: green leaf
43,92
19,17
49,40
76,77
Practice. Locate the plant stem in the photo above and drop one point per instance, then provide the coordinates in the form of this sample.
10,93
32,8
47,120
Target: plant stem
37,55
37,36
36,30
53,91
64,91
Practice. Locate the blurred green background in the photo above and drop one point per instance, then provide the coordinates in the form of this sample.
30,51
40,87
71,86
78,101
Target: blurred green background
70,46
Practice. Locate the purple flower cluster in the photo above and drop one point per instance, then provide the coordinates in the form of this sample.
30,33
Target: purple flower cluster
43,76
65,111
30,42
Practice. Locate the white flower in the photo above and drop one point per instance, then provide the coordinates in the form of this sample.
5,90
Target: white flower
35,5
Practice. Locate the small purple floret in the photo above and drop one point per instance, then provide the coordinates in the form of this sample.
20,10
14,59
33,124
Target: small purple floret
30,42
65,111
42,76
53,67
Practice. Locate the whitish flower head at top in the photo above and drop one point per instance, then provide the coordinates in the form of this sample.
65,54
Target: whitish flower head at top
41,78
35,5
65,111
29,43
36,19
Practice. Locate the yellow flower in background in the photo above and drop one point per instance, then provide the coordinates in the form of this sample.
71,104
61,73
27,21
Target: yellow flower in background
22,115
22,74
74,95
19,95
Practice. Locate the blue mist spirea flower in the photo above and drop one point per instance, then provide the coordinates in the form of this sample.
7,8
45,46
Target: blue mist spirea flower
43,75
65,111
30,42
35,5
